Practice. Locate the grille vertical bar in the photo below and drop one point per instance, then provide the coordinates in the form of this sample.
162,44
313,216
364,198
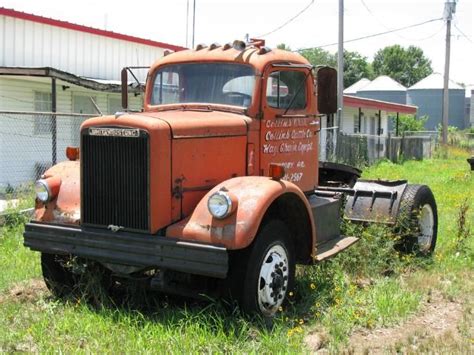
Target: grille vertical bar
115,181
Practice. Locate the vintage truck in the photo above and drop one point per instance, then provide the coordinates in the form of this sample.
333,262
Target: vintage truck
215,185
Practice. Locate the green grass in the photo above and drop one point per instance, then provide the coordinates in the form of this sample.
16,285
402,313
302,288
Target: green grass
368,286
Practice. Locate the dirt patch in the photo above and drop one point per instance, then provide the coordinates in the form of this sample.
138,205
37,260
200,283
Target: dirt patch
437,325
438,318
26,291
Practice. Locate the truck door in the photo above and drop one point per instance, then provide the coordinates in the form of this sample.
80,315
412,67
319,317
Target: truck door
290,126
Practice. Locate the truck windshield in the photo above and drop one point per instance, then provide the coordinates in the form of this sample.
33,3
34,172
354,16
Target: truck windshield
214,83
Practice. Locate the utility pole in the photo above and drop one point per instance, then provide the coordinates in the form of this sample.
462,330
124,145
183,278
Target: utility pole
194,21
187,22
449,10
340,67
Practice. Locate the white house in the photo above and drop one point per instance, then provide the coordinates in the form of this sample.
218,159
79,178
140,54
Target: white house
51,65
364,117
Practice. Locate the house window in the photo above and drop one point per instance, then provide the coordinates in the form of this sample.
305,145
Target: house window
81,104
115,105
42,123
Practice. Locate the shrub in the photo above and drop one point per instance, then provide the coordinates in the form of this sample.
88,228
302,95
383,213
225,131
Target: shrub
408,123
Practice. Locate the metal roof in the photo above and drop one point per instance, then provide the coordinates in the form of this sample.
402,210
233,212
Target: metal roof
72,26
88,83
362,102
383,83
434,81
357,86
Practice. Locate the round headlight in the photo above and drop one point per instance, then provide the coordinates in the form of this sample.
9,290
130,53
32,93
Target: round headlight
43,192
219,204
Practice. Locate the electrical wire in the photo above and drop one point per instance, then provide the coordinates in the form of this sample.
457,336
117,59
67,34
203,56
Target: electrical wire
397,34
374,34
462,33
288,21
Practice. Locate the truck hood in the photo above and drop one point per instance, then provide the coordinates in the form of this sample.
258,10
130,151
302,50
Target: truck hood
202,123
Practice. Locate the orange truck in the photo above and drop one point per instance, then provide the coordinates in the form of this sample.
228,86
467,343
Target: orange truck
215,186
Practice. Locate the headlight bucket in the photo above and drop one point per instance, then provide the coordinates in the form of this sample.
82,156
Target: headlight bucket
47,189
221,204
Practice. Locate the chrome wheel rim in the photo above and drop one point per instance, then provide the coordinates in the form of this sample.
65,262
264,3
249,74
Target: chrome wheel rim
426,224
273,280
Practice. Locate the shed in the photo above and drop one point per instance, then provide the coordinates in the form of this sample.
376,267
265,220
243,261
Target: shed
427,94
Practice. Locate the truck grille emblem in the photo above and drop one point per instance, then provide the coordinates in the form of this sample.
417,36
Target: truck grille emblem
115,132
114,228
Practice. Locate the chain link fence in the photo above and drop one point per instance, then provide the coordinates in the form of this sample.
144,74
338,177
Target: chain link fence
30,142
365,149
461,139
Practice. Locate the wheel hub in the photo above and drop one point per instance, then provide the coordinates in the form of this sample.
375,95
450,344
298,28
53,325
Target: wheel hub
273,280
426,224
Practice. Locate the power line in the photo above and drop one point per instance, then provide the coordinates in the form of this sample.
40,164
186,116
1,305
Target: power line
390,29
374,35
464,35
288,21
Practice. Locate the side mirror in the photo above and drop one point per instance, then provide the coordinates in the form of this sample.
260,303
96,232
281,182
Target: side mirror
326,86
124,77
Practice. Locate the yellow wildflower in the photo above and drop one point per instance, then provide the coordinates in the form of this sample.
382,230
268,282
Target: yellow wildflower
313,286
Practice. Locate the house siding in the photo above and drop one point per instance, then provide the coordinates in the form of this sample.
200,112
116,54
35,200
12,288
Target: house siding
29,44
20,148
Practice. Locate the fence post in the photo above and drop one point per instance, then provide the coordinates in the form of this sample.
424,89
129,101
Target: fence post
53,122
389,147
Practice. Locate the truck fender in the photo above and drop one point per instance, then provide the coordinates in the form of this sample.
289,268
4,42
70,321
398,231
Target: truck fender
257,197
65,207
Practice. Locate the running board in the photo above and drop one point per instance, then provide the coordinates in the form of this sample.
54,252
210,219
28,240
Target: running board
334,246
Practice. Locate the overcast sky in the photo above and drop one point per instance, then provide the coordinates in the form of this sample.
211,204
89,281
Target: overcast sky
222,21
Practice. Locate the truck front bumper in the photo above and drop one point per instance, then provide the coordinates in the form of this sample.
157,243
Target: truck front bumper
126,248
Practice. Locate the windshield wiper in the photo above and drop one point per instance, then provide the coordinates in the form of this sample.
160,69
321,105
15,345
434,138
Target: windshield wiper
300,86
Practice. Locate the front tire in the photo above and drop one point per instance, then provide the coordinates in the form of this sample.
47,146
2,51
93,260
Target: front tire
266,271
418,220
58,278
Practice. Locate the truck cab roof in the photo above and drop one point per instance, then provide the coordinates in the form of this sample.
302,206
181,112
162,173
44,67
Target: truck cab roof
258,57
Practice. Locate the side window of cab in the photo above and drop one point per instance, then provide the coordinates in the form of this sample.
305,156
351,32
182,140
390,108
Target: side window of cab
286,88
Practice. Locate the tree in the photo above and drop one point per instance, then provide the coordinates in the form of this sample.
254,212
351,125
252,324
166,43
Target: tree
318,56
284,47
407,66
356,67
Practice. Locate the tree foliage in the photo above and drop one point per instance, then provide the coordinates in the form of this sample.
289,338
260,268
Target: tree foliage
407,66
284,47
318,56
356,65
